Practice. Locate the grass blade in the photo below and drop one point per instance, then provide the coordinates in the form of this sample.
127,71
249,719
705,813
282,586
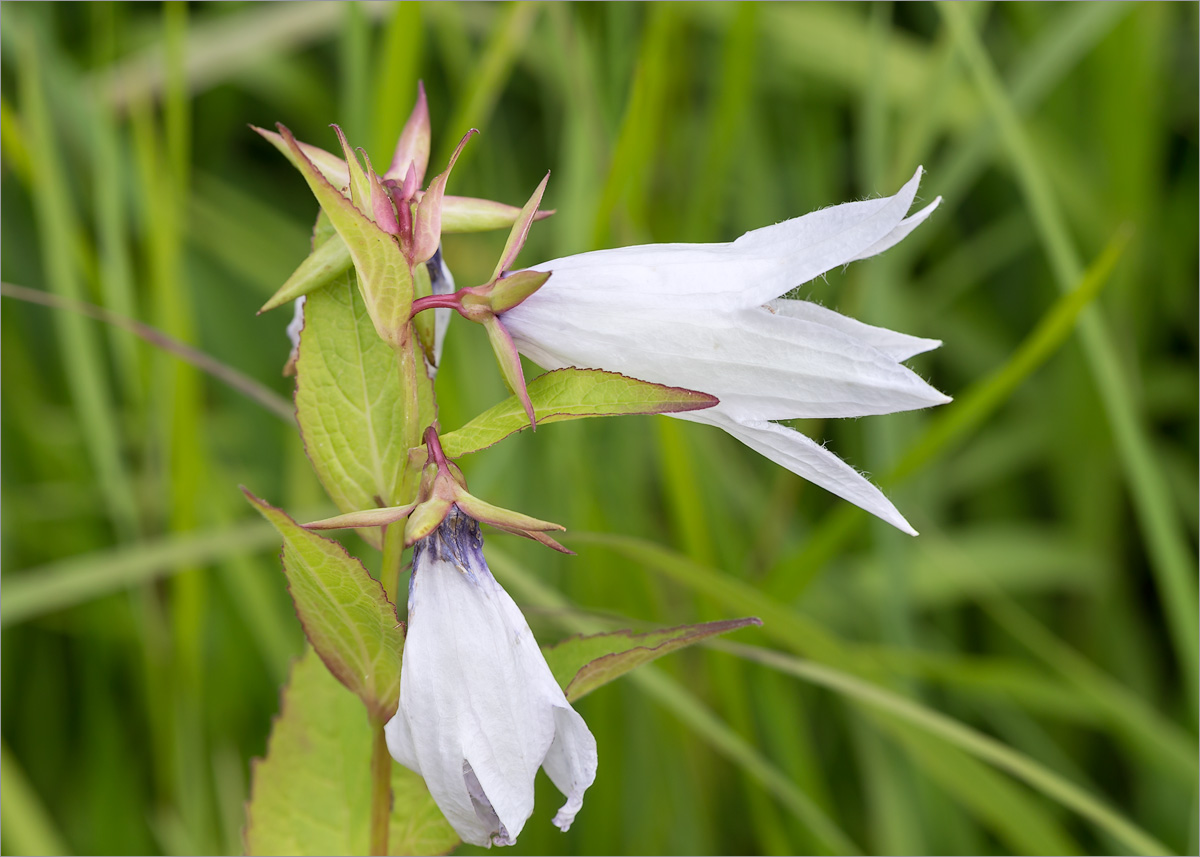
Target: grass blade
1171,559
963,737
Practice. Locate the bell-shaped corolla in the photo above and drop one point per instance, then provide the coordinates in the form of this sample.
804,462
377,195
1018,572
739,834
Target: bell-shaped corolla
710,317
479,710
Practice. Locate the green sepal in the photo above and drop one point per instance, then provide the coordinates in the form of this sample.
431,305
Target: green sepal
360,185
571,394
511,290
510,364
582,664
427,222
469,214
320,268
365,518
520,230
425,519
344,611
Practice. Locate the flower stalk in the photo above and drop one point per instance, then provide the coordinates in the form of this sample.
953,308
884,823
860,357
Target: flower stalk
381,790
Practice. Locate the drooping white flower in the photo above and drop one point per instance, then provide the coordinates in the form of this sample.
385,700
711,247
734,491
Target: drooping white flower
480,711
709,317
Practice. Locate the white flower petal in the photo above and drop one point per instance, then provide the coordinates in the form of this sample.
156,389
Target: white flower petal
442,283
479,708
807,458
760,265
897,346
709,318
772,366
899,233
571,762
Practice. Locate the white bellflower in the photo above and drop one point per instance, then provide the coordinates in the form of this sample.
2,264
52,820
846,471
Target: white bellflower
480,711
709,317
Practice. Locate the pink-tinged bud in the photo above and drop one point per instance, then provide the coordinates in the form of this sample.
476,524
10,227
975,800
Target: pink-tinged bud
520,230
411,183
427,224
412,149
381,201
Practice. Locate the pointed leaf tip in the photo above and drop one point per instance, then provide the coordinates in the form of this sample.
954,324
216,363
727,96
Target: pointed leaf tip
582,664
520,229
413,146
510,364
345,614
427,226
360,187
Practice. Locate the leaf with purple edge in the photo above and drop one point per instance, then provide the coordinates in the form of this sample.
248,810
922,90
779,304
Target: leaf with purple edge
332,258
582,664
384,277
360,187
571,394
332,167
345,614
348,402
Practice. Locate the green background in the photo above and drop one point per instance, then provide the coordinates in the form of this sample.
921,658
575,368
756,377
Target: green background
1049,603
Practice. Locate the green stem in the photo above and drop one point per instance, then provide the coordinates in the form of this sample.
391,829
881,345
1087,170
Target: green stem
408,363
393,552
381,790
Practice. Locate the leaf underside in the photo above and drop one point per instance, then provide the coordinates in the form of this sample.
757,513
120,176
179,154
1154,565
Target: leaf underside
571,394
582,664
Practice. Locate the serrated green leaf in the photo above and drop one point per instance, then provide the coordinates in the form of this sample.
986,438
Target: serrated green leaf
348,402
571,394
384,275
345,614
311,794
582,664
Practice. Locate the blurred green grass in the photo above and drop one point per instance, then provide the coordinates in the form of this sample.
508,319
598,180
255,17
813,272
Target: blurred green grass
1049,603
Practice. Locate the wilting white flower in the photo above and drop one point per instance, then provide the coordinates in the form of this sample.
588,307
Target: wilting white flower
480,711
709,317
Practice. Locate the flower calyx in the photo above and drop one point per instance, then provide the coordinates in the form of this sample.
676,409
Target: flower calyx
486,303
443,488
394,202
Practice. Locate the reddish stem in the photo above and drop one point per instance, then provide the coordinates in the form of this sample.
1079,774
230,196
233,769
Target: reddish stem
452,301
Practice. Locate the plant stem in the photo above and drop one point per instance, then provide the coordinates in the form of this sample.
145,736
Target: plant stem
381,790
393,552
407,358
